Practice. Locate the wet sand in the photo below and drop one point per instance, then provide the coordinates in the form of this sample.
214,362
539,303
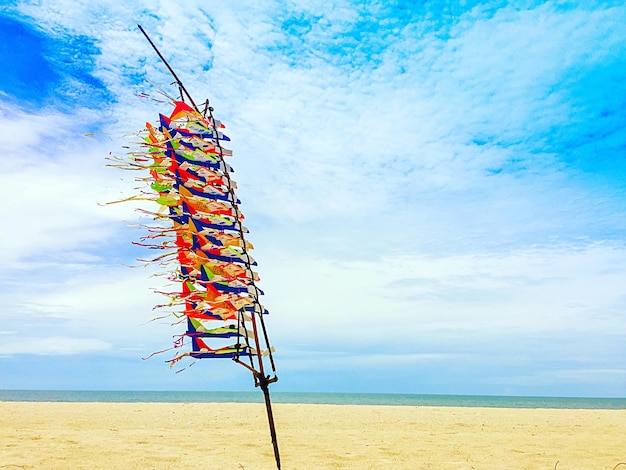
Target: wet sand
235,436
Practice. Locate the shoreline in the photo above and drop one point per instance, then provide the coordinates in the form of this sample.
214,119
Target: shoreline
236,435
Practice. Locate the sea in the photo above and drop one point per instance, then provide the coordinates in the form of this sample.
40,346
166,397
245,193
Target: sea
382,399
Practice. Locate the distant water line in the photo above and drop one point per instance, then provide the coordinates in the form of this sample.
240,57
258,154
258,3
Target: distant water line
382,399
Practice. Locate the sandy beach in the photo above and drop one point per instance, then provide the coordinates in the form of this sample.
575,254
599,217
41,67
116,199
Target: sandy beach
235,436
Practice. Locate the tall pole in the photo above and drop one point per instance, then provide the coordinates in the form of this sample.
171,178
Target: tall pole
261,379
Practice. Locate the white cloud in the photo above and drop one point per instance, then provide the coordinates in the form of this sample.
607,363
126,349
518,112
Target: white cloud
53,345
400,298
53,180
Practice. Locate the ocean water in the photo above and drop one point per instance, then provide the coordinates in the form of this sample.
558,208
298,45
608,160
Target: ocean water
389,399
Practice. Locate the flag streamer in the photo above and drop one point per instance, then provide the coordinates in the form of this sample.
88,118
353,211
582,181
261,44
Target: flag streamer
201,233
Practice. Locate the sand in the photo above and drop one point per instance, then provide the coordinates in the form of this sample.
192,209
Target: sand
235,436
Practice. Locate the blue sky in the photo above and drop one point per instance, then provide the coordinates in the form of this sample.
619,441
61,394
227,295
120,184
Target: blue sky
436,192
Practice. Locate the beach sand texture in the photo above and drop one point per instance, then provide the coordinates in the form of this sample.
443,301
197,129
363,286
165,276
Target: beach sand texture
225,436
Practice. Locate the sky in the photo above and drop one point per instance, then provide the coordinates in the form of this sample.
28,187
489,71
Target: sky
436,191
